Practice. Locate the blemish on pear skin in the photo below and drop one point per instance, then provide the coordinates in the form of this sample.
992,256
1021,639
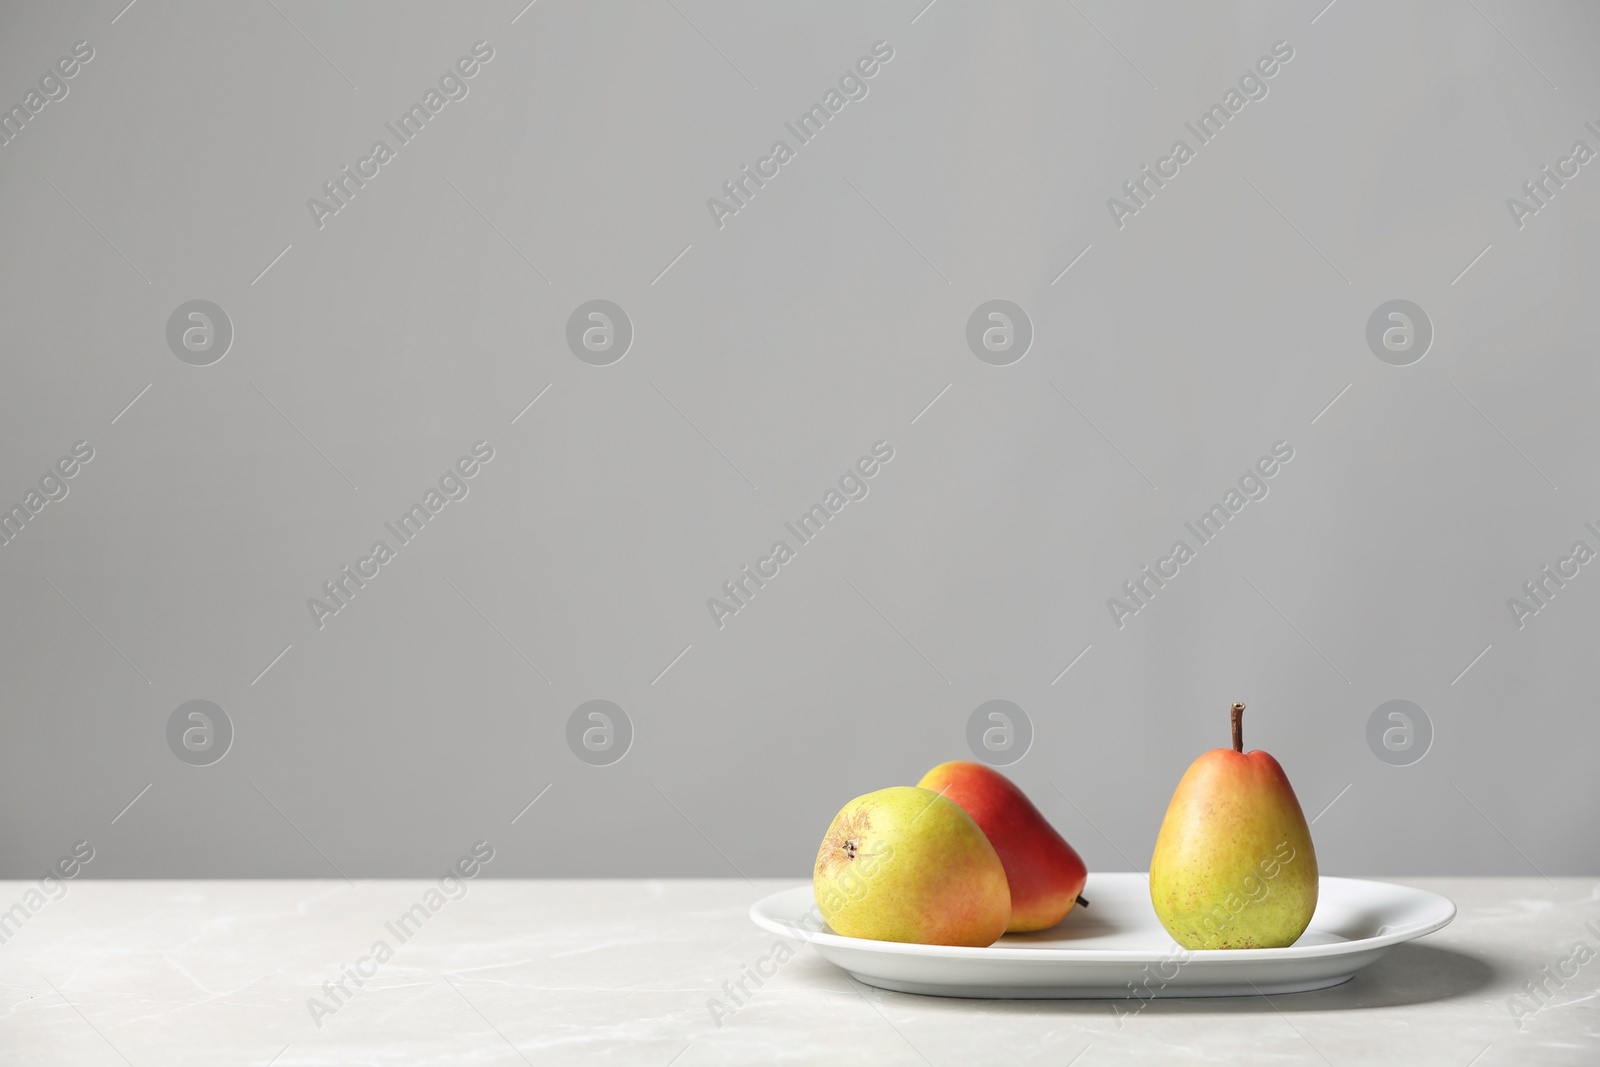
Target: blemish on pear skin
843,843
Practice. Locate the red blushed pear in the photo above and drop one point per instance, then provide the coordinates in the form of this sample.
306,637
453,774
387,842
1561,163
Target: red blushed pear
905,864
1044,873
1233,865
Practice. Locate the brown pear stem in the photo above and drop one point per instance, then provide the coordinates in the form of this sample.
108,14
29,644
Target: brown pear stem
1238,727
1082,903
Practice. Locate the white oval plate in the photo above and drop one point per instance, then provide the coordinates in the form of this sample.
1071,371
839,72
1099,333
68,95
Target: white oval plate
1117,947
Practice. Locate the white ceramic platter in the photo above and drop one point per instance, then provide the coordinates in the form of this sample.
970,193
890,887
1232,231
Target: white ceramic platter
1116,947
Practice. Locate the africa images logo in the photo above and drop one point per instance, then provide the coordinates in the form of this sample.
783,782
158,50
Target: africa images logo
852,85
742,588
52,487
1141,189
453,485
1142,588
52,88
342,188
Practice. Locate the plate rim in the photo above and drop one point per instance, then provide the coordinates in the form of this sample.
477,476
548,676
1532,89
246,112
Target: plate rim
828,939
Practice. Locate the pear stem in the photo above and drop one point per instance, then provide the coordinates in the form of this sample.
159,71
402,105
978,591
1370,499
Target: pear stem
1238,727
1082,903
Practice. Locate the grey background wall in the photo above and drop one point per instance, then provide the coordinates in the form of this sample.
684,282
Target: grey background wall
1172,347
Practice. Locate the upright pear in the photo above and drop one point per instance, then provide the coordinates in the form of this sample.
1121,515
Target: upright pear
1233,865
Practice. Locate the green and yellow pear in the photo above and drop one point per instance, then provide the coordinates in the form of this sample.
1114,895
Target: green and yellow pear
1233,865
906,864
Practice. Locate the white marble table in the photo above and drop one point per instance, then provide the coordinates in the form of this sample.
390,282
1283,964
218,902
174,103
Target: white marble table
611,972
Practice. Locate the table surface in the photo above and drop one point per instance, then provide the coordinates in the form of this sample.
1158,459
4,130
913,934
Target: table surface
609,972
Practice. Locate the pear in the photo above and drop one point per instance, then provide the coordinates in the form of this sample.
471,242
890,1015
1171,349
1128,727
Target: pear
1044,873
906,864
1233,865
